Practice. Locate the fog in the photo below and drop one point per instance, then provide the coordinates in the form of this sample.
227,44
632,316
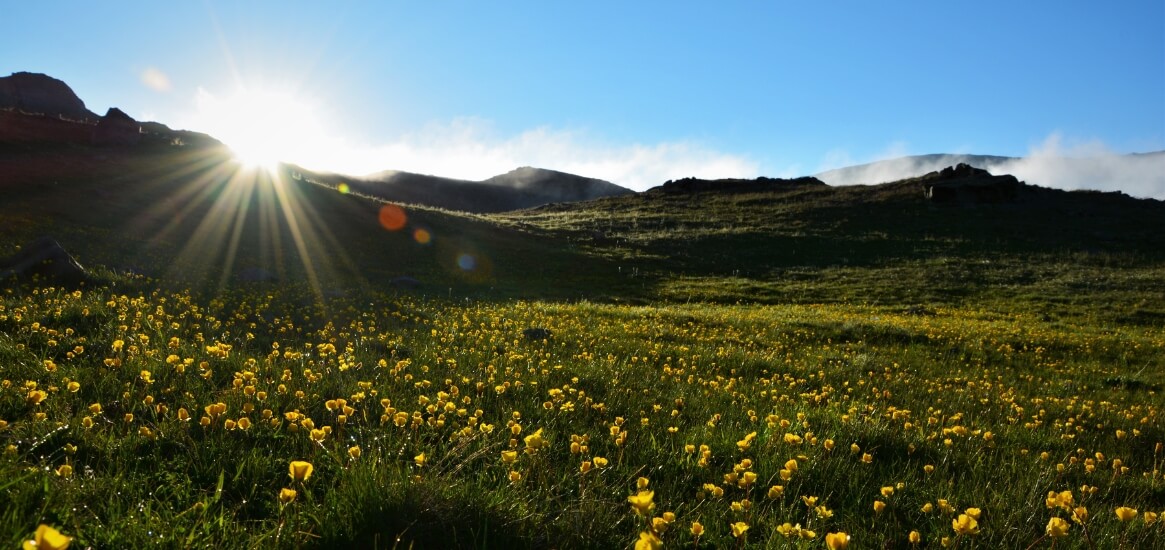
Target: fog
1090,166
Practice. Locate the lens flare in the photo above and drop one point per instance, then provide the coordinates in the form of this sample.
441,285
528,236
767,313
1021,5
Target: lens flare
343,188
466,262
392,217
422,236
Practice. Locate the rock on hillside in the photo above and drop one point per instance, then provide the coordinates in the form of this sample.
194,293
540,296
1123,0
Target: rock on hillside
758,185
117,128
966,185
38,93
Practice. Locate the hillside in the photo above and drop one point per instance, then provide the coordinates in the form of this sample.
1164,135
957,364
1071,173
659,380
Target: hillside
520,188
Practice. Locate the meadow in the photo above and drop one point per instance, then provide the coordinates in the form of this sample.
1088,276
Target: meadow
133,417
795,368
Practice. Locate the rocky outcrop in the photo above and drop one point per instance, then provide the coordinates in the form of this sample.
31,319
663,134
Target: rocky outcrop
117,128
758,185
38,93
965,185
43,259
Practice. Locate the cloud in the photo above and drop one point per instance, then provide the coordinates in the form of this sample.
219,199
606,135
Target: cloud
1087,165
470,149
156,80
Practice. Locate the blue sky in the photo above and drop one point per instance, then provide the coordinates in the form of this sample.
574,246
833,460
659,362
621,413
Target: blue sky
634,92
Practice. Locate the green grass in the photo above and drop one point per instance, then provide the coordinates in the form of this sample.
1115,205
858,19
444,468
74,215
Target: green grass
1016,353
884,379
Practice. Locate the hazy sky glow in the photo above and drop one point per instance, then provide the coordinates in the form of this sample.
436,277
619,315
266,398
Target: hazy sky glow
633,92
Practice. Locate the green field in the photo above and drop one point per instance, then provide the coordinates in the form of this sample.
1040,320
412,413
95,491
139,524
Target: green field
717,370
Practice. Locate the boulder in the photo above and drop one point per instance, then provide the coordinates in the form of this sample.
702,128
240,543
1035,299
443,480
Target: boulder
44,258
966,185
117,128
537,333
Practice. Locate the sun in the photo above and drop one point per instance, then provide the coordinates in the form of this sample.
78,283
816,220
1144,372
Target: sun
263,127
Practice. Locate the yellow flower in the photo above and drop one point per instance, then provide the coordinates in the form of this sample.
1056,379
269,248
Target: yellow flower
515,476
1057,528
837,541
648,541
419,460
354,451
887,491
642,483
965,525
658,525
1150,517
879,506
47,538
915,537
1080,515
642,502
809,501
508,457
776,491
739,528
287,495
65,471
697,529
600,462
974,512
300,470
534,441
1124,513
867,458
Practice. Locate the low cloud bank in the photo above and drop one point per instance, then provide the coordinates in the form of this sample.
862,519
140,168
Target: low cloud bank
1089,166
468,149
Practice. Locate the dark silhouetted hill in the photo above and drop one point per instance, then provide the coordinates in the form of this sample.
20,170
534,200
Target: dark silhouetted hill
524,187
43,94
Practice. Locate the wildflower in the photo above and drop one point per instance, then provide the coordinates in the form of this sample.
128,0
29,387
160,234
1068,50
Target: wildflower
1150,517
648,541
515,476
974,512
697,529
47,538
867,458
965,525
642,502
642,483
879,506
534,442
287,495
508,457
65,471
914,537
739,528
776,491
809,501
1124,513
354,451
1057,528
300,470
600,462
419,460
1080,515
837,541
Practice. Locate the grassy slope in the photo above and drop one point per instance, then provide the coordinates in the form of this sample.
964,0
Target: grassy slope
1039,334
